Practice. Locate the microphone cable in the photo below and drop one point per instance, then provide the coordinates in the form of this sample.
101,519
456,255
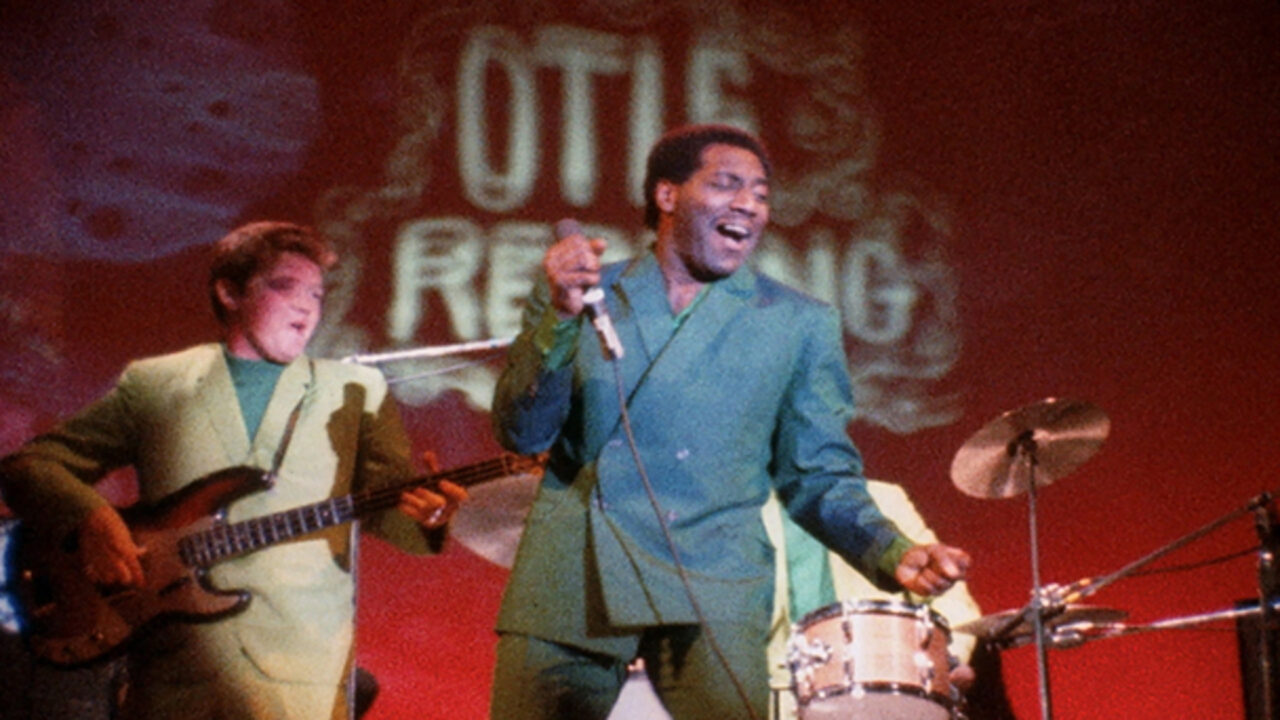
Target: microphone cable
675,554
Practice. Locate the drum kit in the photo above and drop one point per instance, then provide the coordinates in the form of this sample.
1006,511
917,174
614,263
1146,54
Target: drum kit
876,660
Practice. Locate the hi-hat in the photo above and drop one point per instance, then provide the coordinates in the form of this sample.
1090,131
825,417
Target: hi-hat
1058,434
986,627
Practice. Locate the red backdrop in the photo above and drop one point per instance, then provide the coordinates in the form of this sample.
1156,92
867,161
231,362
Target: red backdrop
1079,198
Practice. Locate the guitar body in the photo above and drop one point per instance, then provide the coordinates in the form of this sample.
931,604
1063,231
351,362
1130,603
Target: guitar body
70,620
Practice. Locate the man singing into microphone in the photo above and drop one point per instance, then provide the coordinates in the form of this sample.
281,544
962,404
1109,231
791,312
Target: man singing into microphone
734,385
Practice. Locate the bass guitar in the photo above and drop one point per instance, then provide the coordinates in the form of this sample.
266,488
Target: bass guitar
69,620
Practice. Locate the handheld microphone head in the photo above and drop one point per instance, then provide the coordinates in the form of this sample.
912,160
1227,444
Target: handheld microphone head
567,227
593,300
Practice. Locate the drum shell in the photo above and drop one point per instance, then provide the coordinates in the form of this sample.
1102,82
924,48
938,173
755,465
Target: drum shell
873,660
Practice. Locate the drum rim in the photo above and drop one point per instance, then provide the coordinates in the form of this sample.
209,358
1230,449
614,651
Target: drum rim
880,687
871,606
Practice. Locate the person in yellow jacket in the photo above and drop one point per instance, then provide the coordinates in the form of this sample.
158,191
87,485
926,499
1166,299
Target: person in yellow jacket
323,428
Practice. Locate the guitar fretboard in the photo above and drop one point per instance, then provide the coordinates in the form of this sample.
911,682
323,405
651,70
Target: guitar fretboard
225,541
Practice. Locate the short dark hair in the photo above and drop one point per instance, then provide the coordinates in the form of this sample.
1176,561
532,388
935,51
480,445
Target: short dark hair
254,247
678,154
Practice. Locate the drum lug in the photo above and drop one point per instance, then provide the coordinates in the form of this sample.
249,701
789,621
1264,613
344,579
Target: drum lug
924,665
924,633
804,654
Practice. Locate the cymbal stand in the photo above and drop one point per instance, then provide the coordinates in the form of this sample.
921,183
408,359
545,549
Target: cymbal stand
1268,582
1023,451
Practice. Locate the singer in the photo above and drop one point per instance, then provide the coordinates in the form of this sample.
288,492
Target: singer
735,385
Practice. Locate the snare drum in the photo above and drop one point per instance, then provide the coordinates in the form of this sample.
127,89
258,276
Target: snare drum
872,660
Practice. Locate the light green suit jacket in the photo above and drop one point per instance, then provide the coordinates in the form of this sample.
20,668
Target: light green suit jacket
175,419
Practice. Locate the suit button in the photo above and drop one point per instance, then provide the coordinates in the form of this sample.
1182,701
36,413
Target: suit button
682,454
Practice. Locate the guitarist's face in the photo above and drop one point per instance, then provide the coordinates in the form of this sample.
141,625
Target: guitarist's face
277,313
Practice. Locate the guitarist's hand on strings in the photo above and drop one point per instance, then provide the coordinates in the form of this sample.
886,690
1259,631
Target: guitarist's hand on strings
107,551
433,509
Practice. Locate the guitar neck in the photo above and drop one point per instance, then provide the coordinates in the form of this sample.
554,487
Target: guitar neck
225,541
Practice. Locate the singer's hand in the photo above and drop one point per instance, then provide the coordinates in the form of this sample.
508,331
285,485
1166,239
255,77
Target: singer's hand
572,265
932,569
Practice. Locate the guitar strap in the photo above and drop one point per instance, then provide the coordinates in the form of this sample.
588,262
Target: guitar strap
293,422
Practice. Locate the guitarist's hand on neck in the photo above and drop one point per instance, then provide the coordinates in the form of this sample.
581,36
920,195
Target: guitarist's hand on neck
107,551
433,509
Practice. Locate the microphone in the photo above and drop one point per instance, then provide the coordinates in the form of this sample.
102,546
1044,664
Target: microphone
593,301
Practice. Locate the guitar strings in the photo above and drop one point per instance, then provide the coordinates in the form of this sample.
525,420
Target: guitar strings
206,547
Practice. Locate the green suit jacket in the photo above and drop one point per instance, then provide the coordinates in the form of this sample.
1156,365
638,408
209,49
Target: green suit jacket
750,393
175,419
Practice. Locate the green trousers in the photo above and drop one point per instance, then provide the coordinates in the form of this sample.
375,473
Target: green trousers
540,680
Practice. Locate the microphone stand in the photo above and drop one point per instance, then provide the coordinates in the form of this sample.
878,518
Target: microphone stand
428,352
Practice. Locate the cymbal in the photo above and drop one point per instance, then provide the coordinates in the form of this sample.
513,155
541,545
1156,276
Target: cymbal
985,627
1062,433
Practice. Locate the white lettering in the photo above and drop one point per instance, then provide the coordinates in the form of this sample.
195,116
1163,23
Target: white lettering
878,295
579,54
709,64
821,265
444,254
645,114
814,273
515,261
484,185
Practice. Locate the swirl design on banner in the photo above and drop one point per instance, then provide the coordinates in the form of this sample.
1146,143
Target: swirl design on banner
162,122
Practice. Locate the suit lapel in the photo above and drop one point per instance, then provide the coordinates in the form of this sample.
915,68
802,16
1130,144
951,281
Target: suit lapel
701,331
217,396
293,382
709,321
222,407
641,292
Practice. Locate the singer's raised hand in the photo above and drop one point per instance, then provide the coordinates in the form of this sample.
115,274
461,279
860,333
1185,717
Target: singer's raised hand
932,569
572,265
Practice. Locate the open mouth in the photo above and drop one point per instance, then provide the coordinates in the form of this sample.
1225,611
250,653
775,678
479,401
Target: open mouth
733,231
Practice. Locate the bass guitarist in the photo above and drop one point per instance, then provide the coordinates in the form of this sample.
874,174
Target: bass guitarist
320,429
